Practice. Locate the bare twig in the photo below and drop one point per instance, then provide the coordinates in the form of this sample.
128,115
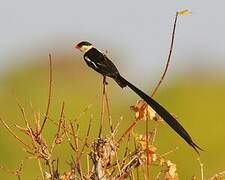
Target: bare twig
49,94
86,138
28,128
41,169
201,168
154,135
16,172
169,152
109,114
86,108
61,118
57,139
76,146
128,130
22,111
169,56
14,135
217,176
36,116
147,148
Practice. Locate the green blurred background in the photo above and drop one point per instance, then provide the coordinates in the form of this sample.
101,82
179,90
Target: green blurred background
136,35
197,99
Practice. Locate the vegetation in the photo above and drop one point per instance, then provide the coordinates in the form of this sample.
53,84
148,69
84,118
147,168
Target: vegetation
95,144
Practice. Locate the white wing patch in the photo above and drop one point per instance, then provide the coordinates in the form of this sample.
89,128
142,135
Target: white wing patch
87,59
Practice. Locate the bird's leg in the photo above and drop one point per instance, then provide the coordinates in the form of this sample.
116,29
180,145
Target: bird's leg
107,103
104,81
103,108
105,99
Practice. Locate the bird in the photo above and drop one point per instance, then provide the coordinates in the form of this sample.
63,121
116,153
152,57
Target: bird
103,65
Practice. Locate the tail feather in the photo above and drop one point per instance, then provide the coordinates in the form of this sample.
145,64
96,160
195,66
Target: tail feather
121,81
162,112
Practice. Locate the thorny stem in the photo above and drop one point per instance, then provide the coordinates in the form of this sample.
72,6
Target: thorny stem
49,94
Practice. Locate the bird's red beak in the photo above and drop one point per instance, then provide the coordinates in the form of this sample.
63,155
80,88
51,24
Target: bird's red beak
77,47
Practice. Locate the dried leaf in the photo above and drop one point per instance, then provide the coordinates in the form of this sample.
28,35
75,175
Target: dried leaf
170,171
143,111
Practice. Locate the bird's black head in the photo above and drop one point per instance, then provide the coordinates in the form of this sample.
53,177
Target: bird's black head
84,46
83,43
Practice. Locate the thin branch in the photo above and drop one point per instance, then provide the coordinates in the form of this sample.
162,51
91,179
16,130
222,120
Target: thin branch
137,169
76,149
16,172
128,130
13,134
88,165
153,135
126,155
49,94
169,57
22,111
28,127
36,117
201,169
60,119
41,169
57,139
86,138
147,147
218,175
86,108
169,152
108,111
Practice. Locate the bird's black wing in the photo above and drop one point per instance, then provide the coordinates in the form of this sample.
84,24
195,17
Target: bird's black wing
99,62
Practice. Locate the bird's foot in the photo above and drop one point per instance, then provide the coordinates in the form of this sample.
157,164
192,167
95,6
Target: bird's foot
104,80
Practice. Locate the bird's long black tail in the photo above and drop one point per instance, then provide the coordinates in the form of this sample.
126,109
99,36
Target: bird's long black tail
161,111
